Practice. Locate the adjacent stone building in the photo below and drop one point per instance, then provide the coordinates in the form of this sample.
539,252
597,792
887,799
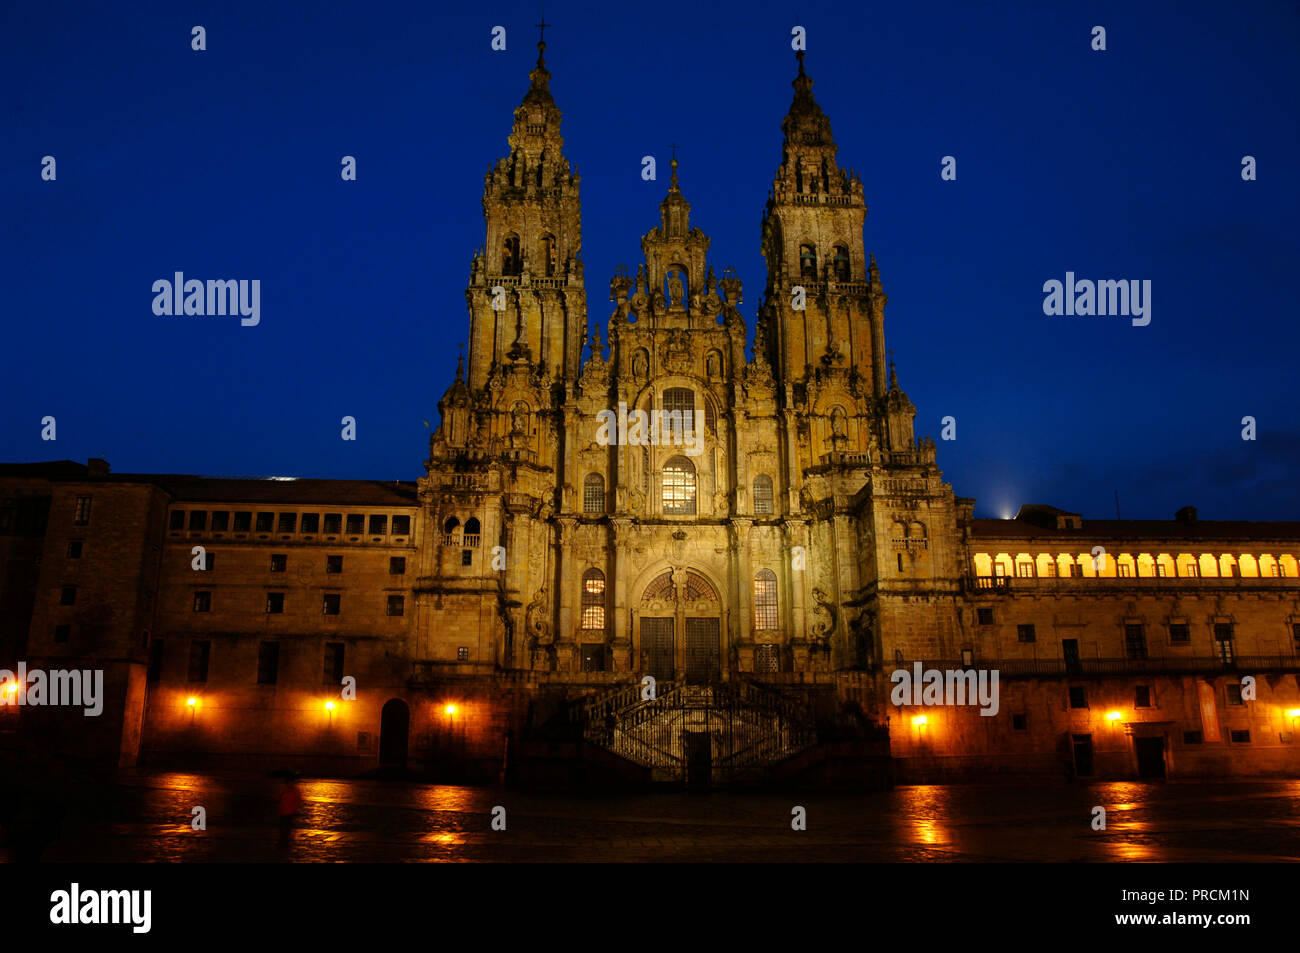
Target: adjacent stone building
661,551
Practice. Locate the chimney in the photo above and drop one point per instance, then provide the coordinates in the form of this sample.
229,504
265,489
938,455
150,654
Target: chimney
97,468
1186,515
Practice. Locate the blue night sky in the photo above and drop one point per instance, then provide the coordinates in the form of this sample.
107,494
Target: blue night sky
225,164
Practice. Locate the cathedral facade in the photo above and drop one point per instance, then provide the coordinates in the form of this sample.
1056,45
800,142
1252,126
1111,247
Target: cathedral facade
663,550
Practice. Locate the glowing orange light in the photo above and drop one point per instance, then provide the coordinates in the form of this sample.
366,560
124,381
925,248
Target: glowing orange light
450,709
329,706
1293,713
1113,716
12,689
919,720
192,702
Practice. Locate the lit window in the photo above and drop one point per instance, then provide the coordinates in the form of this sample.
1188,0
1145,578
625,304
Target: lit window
593,494
82,516
593,600
679,487
762,494
765,604
678,407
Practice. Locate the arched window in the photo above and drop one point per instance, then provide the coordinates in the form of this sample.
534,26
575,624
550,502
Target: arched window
549,252
807,261
451,532
679,487
680,400
710,417
511,261
471,532
593,600
451,525
841,263
762,493
765,608
593,494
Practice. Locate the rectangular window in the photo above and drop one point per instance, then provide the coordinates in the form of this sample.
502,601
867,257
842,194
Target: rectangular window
356,523
333,523
401,526
1234,694
1295,635
243,522
1241,737
331,602
155,661
767,659
279,562
593,657
1125,570
275,602
1142,696
265,522
378,525
268,663
311,522
467,557
288,522
1193,570
1078,697
61,633
1135,641
202,602
198,521
68,596
985,616
1179,632
199,652
333,563
176,520
74,549
396,565
397,605
1019,722
206,563
1025,633
1024,569
1162,570
220,521
462,653
82,515
1075,571
333,663
1192,738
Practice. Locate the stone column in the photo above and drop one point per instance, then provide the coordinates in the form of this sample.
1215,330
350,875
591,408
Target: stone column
744,571
621,646
566,649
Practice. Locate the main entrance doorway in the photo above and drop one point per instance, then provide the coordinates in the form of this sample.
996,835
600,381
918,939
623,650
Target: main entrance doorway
657,648
702,664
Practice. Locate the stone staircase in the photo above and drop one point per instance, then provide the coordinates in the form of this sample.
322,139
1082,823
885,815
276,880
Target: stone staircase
725,732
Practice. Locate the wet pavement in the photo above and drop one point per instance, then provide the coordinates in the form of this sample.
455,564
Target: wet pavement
148,818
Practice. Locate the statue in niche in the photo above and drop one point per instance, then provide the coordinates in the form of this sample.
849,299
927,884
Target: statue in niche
638,365
519,419
839,422
676,290
715,365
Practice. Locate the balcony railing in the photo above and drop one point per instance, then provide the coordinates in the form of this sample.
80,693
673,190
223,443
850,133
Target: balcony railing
1196,665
